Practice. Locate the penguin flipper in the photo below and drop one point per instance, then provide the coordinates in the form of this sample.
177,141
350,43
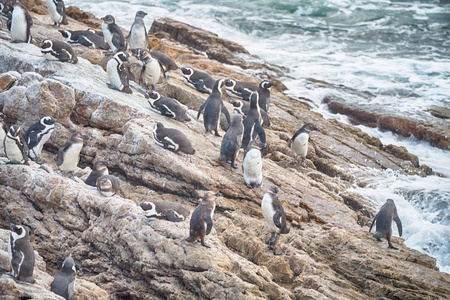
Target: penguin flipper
60,155
277,218
200,86
125,76
399,224
24,149
318,153
162,68
64,56
119,42
16,258
29,24
209,224
226,113
8,24
373,222
261,133
202,107
61,9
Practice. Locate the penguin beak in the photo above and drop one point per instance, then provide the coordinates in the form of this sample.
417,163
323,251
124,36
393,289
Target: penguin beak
87,137
12,226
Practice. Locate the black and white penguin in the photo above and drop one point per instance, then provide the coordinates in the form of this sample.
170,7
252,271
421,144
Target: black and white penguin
172,139
108,185
21,253
138,38
57,11
202,219
64,282
15,147
274,214
118,73
172,211
69,153
113,35
264,94
97,32
59,51
3,130
84,37
299,143
252,164
384,218
213,106
151,68
243,109
166,62
5,12
239,89
21,22
231,142
198,80
252,123
167,107
37,135
99,169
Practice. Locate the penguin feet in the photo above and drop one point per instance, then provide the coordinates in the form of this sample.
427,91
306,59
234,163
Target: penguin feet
273,240
292,162
250,186
392,246
304,164
234,165
55,25
217,134
204,245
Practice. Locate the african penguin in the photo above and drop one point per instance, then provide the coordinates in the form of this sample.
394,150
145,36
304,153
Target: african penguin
202,219
69,153
172,211
252,164
239,89
21,22
37,135
167,106
138,38
15,147
243,109
264,94
172,139
151,68
384,218
198,80
167,63
99,169
85,38
231,142
118,73
252,123
64,282
3,130
57,11
59,51
21,253
274,215
113,35
97,32
213,106
108,185
299,143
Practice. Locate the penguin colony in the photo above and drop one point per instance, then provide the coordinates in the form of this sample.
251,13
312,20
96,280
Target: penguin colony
245,131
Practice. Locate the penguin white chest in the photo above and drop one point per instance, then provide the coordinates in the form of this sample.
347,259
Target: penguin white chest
54,15
112,71
152,72
268,213
137,38
19,25
13,151
108,36
300,144
253,167
71,158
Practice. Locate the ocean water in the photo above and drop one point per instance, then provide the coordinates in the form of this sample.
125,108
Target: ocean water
388,56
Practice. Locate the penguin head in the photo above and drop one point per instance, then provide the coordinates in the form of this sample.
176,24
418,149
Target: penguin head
229,83
147,205
141,14
100,165
274,189
237,119
2,116
218,85
187,71
266,84
154,95
47,121
14,131
108,19
65,33
18,231
390,201
104,184
45,44
69,263
159,126
209,196
121,56
309,127
79,137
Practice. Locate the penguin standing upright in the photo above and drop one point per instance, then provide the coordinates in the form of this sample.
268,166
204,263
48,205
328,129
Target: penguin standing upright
252,123
202,219
3,130
231,142
21,22
21,254
252,164
299,143
69,153
113,35
64,282
384,218
274,215
151,68
15,147
37,135
138,38
118,74
264,94
57,11
59,51
213,106
167,106
198,80
99,169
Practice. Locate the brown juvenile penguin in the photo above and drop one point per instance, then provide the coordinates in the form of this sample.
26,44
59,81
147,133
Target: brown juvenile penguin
384,218
201,220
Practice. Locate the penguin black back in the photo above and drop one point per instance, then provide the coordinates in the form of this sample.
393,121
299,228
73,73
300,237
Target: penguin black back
252,123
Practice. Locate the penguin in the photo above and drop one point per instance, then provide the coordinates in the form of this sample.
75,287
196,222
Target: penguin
37,135
118,73
15,147
85,38
167,107
231,142
69,153
59,51
243,109
171,211
3,130
202,219
172,139
99,169
166,62
64,282
151,68
384,218
239,89
252,164
21,253
198,80
20,24
97,32
264,94
113,35
252,123
299,143
5,11
274,215
138,38
108,185
57,11
213,106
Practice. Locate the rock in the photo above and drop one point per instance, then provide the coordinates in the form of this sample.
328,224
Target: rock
8,80
439,112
